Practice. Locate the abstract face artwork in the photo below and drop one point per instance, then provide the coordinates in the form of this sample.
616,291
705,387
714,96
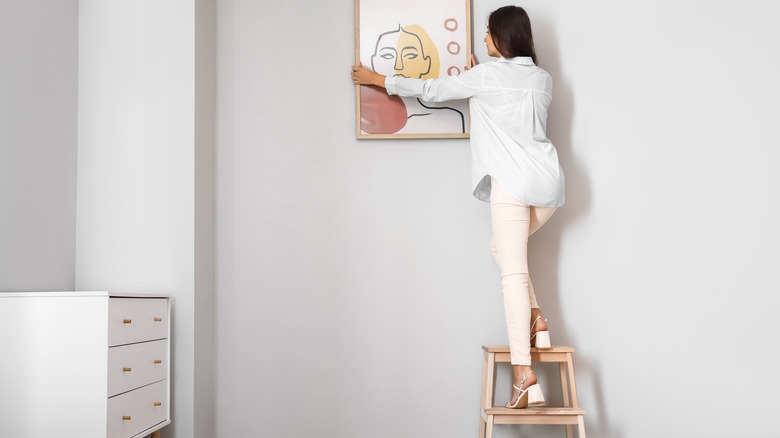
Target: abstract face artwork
393,42
401,53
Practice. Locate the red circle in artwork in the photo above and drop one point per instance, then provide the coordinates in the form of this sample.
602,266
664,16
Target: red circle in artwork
453,47
380,113
451,24
457,71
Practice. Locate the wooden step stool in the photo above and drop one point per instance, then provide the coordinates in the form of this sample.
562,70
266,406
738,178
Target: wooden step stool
568,414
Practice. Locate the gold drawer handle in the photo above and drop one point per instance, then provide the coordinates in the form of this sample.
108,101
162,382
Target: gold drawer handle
157,319
127,321
126,418
158,403
127,370
157,361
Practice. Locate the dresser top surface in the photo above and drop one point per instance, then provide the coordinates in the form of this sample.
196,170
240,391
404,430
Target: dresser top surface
83,294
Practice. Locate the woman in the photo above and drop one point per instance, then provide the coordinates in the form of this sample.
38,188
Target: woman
514,167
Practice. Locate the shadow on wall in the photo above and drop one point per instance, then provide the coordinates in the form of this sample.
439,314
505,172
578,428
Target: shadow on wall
545,253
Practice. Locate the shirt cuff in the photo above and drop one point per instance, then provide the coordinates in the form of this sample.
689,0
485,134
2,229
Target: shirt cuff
390,85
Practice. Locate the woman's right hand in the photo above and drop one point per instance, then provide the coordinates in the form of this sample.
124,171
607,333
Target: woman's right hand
364,76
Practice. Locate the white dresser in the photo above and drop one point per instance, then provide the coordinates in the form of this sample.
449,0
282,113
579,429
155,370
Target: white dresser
84,364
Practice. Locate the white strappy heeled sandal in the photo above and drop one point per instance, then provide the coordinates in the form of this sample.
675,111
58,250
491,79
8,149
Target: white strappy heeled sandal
540,340
529,396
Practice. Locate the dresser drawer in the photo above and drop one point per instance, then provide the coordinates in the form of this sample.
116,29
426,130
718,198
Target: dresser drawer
136,320
133,412
135,365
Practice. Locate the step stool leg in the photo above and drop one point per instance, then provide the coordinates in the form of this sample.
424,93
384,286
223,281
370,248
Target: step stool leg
564,384
581,426
485,382
489,428
489,380
572,383
483,395
486,402
565,392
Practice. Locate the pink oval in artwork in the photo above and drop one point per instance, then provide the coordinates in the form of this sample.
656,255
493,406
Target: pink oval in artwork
453,71
381,113
451,24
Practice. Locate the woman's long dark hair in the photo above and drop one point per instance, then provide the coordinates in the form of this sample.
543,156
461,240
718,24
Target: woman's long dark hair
510,29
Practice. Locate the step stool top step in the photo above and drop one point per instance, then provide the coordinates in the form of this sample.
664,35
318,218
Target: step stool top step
505,349
540,410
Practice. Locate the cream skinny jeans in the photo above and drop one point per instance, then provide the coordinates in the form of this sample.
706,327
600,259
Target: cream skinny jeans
513,221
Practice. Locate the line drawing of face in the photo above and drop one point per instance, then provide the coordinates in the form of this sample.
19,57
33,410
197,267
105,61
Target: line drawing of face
408,51
400,53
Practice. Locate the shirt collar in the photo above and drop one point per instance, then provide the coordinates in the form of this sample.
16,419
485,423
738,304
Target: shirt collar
523,60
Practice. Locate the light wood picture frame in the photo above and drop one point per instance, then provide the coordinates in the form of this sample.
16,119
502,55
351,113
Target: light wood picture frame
413,38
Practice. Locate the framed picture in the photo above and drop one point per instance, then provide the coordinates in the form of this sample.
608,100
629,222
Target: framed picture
420,39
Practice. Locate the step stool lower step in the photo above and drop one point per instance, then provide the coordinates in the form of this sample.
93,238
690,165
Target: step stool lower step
538,415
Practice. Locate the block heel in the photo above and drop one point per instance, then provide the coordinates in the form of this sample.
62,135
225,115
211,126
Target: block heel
542,340
535,395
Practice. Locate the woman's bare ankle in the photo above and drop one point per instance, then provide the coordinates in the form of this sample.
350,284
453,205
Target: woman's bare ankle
538,324
523,371
518,372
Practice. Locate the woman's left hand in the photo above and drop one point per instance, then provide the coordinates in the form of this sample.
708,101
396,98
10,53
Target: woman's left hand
364,76
472,61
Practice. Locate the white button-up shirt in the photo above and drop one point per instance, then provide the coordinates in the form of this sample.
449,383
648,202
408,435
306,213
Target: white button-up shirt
508,102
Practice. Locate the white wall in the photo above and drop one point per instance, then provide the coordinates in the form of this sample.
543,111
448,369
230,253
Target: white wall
141,225
355,281
38,107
